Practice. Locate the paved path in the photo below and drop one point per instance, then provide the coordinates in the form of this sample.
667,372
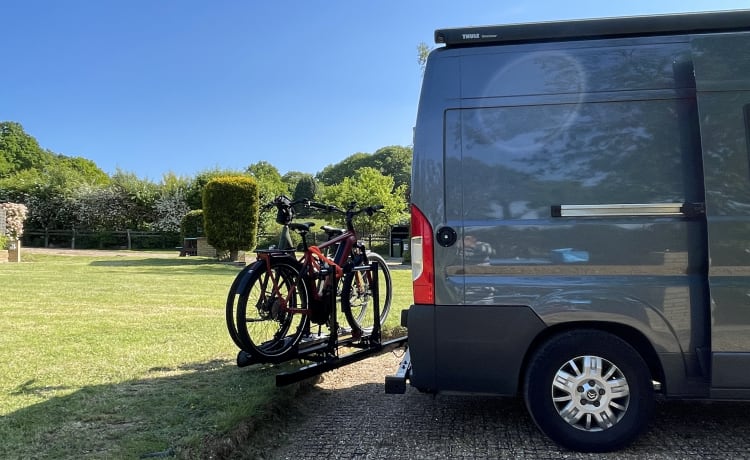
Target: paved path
348,416
100,252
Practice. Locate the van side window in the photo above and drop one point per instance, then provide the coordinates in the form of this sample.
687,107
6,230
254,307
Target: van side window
620,152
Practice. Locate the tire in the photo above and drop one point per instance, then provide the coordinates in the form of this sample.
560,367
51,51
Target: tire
589,391
357,296
240,282
263,329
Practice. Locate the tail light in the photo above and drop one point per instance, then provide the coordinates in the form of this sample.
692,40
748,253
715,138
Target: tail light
422,263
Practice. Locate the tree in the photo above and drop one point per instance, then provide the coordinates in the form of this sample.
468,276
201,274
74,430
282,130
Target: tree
394,161
102,208
50,193
16,187
306,188
270,185
230,211
291,179
171,205
137,197
81,170
169,209
335,173
268,179
19,151
368,187
423,51
49,207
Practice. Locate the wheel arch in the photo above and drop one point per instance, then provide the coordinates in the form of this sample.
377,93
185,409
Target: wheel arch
629,334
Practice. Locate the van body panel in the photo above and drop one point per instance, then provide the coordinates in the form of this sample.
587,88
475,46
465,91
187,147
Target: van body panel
441,88
723,84
646,139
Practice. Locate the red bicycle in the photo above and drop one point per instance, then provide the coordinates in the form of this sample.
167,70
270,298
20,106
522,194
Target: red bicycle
274,301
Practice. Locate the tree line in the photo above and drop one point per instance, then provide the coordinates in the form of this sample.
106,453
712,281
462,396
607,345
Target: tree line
73,193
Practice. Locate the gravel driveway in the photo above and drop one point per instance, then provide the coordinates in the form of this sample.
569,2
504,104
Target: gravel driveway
347,415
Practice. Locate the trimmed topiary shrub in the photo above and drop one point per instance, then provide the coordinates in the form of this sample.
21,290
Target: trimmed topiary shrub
230,214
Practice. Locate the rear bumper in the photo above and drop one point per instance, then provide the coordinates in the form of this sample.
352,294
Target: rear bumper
469,348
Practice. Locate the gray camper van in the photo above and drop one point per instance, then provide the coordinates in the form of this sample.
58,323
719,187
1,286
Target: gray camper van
581,219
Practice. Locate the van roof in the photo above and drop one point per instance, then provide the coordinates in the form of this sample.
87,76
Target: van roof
664,24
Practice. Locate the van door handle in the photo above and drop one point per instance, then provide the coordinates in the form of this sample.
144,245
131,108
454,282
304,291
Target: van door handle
628,210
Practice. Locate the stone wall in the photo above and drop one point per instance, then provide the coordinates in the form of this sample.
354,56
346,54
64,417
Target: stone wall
205,249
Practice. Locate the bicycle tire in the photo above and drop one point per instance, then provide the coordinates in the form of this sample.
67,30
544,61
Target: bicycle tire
356,296
264,329
239,284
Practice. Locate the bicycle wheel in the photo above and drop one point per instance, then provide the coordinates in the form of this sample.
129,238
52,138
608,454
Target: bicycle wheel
357,295
265,326
239,284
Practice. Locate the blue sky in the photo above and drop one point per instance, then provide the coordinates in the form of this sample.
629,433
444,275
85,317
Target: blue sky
153,86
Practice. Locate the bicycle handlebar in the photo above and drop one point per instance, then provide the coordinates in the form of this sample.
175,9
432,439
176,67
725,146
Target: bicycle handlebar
369,210
285,209
282,202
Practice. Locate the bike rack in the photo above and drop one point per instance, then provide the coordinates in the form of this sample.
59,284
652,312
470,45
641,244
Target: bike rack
323,349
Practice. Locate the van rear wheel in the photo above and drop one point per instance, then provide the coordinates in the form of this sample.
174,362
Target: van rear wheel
589,391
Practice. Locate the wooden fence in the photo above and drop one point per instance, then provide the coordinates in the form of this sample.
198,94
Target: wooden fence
126,239
131,239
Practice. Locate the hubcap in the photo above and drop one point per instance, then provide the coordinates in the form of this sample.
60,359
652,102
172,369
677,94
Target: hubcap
590,393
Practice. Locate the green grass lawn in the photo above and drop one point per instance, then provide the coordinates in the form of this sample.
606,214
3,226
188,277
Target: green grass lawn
117,357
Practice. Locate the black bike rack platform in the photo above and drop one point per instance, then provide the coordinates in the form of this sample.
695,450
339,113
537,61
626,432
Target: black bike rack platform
311,370
324,359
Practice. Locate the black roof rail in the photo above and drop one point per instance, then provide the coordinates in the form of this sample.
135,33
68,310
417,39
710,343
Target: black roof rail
663,24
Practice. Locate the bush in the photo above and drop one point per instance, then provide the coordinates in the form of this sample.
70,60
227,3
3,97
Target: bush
192,224
230,213
15,215
3,242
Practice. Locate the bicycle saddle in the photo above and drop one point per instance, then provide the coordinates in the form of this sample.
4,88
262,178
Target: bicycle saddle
332,231
298,227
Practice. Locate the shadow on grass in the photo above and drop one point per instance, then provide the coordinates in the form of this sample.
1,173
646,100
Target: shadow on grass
198,410
158,262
